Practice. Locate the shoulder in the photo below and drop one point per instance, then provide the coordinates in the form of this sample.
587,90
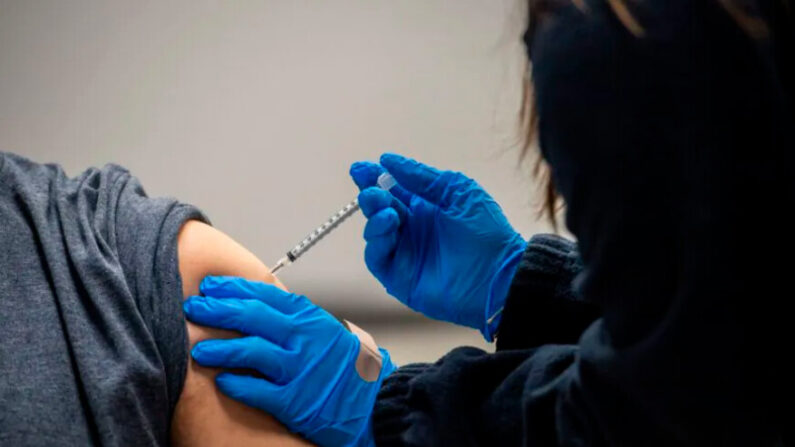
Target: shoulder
33,178
18,172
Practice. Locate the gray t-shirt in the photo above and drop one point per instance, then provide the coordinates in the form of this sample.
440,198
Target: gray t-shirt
93,344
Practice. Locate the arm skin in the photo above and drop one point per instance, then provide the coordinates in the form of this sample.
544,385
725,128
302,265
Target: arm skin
203,415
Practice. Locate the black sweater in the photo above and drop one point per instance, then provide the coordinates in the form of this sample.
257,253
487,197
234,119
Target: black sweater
669,324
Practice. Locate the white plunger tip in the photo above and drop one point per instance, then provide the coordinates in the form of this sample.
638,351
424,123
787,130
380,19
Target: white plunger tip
386,181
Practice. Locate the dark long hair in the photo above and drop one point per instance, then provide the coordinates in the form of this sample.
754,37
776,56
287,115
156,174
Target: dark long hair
780,27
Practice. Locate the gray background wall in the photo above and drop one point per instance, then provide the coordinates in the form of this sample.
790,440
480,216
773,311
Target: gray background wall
253,110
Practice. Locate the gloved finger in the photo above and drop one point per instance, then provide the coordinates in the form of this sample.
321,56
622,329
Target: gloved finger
254,353
365,174
402,197
379,251
233,287
373,200
249,316
254,392
420,179
383,222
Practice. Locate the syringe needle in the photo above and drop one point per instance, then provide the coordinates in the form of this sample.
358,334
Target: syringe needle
279,264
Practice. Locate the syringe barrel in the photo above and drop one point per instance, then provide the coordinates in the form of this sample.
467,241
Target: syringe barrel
385,181
324,229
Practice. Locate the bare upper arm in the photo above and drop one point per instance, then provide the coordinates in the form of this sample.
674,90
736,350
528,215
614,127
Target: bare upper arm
203,415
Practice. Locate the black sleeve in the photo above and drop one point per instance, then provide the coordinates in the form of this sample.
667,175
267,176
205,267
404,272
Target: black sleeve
423,404
419,403
469,397
543,305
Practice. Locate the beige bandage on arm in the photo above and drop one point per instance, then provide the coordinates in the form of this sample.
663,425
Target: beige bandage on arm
369,361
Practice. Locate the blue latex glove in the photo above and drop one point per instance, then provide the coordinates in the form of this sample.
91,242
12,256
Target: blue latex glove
307,357
438,242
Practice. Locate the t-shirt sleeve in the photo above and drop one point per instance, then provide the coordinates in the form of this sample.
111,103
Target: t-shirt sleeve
145,231
96,299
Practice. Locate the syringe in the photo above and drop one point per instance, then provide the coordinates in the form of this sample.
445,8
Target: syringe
385,181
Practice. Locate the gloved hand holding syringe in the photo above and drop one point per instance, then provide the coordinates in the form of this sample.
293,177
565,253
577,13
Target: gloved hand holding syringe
385,181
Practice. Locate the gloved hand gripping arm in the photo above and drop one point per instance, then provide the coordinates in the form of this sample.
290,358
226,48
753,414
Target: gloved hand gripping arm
319,378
